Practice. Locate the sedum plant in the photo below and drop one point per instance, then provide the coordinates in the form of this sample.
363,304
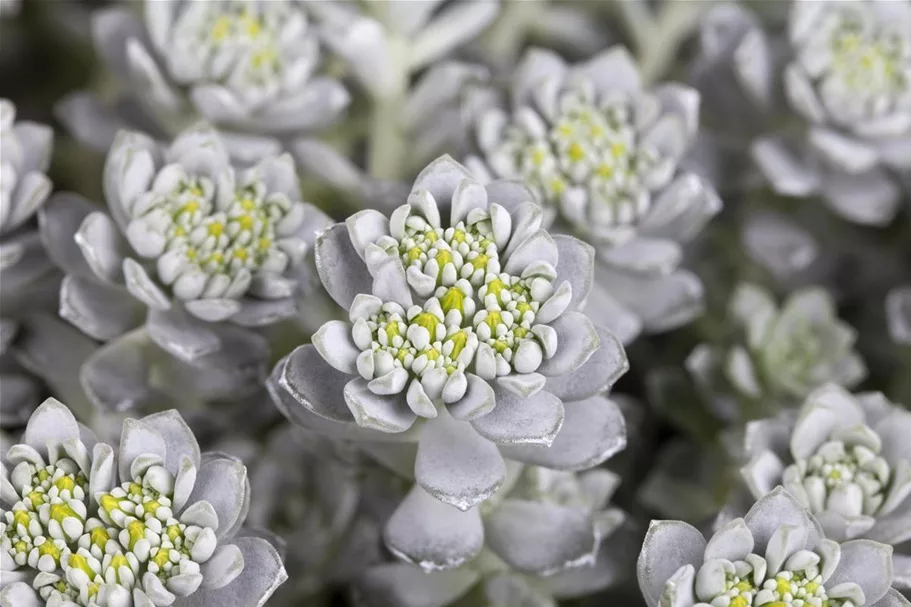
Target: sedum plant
39,353
476,351
781,353
315,508
546,536
844,457
191,256
28,278
846,74
249,67
776,555
604,156
158,523
384,45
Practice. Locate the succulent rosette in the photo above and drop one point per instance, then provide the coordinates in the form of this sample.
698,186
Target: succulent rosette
846,76
191,255
547,536
28,277
314,507
604,156
476,351
844,457
37,350
155,524
783,353
776,555
249,67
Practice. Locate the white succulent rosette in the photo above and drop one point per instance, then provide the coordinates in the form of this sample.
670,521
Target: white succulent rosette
155,524
789,351
476,352
847,92
250,67
777,555
191,255
314,507
547,536
37,351
844,457
29,279
603,156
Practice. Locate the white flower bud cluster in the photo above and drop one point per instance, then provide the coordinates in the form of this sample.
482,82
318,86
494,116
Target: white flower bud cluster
247,46
849,478
96,561
749,582
590,161
51,513
476,317
210,240
861,65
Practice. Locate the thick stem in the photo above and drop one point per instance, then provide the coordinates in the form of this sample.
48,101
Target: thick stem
387,145
676,20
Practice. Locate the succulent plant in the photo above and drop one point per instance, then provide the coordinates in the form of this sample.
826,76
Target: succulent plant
603,156
471,351
776,555
157,524
786,352
314,508
29,279
846,74
844,457
247,66
547,535
188,242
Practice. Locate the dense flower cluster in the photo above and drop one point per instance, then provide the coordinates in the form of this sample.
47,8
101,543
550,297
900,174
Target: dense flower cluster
152,526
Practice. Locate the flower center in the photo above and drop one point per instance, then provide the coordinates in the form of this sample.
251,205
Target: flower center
747,583
867,58
225,237
463,251
133,531
471,305
849,478
590,145
418,341
239,44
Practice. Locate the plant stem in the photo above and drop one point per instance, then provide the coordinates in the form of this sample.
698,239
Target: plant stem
387,146
676,20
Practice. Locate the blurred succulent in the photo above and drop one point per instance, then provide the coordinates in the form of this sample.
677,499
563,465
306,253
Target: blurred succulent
314,508
782,354
29,280
10,8
248,67
603,155
188,241
898,314
471,352
546,536
844,457
385,42
159,524
385,45
847,86
776,555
